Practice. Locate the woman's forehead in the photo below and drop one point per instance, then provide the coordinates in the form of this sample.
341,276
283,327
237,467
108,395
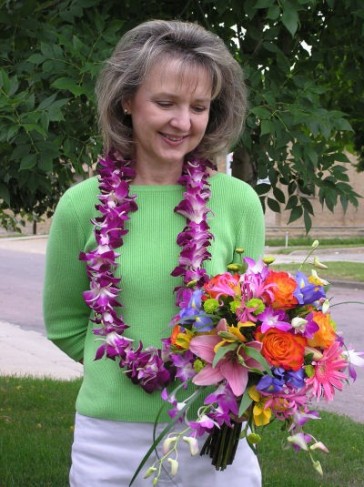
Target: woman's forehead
177,74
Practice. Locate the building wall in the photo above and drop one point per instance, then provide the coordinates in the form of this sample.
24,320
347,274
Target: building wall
324,221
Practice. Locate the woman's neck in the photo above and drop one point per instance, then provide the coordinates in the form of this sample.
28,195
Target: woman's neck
157,175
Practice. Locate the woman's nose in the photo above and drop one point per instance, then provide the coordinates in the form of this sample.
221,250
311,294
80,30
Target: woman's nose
181,119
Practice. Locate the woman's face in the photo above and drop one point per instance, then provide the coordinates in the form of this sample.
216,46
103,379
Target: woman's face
170,112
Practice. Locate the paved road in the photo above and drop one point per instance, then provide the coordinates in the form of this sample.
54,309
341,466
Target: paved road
21,280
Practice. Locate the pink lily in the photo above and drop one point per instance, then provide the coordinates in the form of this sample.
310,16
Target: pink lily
233,367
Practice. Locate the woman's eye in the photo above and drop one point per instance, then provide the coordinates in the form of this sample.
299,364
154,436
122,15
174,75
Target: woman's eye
164,104
199,108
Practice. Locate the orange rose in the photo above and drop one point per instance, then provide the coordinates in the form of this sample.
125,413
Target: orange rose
283,349
283,287
325,336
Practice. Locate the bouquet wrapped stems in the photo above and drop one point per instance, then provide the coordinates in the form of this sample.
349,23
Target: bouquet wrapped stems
222,443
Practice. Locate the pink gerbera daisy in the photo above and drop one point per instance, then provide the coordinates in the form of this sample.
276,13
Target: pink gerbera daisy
328,373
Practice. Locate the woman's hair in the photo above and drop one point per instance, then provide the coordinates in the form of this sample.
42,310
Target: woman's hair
148,45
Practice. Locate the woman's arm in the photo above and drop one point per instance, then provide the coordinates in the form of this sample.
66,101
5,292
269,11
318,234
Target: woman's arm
66,315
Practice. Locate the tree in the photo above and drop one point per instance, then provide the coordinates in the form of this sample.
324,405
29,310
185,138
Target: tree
303,61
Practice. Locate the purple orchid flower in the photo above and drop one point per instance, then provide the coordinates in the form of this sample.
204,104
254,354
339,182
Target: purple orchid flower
271,318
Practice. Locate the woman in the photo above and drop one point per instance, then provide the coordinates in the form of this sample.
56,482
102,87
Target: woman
170,97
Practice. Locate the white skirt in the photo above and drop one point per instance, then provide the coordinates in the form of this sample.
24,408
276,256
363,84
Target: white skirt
107,453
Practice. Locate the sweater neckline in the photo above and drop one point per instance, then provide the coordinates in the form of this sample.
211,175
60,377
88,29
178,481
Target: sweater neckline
163,188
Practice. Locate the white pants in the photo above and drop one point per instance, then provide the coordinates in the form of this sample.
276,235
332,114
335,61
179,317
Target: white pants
107,453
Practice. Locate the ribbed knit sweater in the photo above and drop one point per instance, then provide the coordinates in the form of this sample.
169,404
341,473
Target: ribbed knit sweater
148,256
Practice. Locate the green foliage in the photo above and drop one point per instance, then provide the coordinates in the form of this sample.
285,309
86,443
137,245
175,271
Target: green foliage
306,102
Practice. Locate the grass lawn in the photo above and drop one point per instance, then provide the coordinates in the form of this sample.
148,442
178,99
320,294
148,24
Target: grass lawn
346,271
36,422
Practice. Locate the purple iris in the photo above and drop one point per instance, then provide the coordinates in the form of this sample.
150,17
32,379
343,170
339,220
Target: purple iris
295,378
193,315
274,383
306,292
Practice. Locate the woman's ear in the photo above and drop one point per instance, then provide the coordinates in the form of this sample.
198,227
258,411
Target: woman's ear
126,105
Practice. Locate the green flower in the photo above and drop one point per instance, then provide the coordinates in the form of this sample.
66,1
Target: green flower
211,305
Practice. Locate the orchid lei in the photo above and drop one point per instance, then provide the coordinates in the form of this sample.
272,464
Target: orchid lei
148,367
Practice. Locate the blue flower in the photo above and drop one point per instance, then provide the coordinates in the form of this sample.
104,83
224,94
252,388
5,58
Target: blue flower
306,292
193,314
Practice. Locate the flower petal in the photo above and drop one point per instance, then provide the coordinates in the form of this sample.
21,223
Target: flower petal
236,375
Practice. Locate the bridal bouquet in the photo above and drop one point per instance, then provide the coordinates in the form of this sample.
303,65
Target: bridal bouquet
266,344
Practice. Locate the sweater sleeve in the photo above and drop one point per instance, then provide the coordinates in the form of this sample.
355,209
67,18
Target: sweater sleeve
251,234
66,315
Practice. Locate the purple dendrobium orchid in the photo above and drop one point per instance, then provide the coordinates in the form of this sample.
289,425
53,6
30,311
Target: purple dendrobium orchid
184,366
271,318
144,367
204,424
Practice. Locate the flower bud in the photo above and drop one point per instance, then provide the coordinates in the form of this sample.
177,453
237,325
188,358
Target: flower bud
309,370
316,354
169,443
198,365
239,250
174,466
325,306
234,267
317,263
298,322
320,446
149,472
253,438
192,283
268,259
317,466
193,444
315,244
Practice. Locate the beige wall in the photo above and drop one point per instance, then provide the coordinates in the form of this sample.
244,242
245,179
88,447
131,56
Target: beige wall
324,221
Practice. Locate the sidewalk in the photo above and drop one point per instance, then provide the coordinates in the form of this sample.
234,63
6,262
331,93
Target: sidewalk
29,353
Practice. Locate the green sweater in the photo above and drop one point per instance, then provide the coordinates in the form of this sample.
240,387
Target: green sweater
148,256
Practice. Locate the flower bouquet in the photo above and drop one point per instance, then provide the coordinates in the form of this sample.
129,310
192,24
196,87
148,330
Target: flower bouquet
266,344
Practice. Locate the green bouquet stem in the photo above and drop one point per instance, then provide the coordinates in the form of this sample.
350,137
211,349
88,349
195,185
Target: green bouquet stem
221,444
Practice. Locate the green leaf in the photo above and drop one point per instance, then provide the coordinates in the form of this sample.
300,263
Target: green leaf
273,12
256,355
261,112
307,220
222,351
279,195
266,127
28,162
245,402
68,84
264,3
296,213
36,59
4,194
274,205
262,188
290,17
47,102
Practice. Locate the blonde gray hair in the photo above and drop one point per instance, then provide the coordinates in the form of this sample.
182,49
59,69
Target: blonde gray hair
147,45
